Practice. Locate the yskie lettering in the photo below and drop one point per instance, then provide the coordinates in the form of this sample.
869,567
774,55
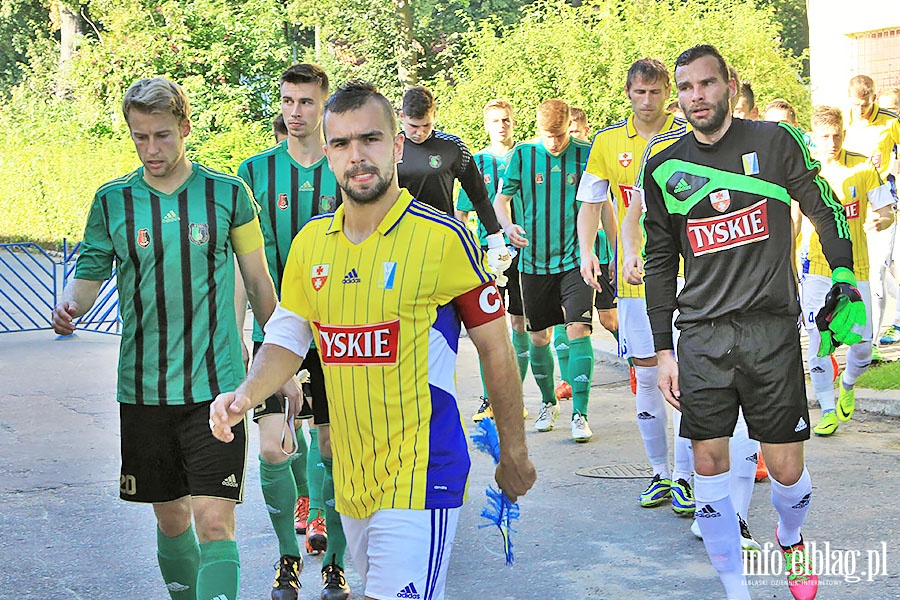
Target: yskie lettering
359,345
735,229
852,210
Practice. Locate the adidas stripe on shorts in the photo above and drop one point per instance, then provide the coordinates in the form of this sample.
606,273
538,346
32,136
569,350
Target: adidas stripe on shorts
402,553
168,452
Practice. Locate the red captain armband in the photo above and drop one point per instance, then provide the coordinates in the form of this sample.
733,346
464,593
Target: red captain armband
481,305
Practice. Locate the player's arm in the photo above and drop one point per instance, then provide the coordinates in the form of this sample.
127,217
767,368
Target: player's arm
632,244
592,194
881,201
472,182
251,257
881,219
78,298
661,270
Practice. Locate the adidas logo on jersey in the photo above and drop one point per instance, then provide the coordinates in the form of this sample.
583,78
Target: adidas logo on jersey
306,187
801,425
682,186
582,379
351,277
230,481
707,512
409,591
174,586
171,217
804,502
645,416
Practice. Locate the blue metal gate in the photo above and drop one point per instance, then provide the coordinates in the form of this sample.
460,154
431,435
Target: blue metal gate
31,284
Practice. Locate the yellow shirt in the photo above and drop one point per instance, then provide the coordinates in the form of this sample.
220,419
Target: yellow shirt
855,183
616,157
874,136
386,319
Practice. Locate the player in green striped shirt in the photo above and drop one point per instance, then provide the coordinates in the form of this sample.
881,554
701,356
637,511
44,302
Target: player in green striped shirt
293,183
172,227
546,173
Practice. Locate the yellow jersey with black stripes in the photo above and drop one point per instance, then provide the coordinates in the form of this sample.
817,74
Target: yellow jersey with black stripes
386,317
616,157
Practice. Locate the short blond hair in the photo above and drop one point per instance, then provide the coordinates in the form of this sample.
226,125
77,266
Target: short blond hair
157,95
861,86
782,104
553,115
578,115
499,104
827,116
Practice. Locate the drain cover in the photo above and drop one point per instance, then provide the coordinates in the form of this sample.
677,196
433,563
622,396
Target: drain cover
617,472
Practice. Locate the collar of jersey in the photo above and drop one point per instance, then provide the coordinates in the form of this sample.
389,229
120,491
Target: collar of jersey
631,130
870,121
392,217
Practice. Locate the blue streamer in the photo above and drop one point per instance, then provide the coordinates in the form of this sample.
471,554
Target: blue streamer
500,512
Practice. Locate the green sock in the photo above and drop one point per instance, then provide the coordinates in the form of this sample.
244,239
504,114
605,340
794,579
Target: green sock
280,494
179,559
315,473
542,369
581,372
483,386
615,334
298,464
220,571
337,542
561,345
522,344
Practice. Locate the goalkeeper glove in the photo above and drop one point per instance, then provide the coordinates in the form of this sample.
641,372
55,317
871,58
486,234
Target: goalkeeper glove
843,317
499,258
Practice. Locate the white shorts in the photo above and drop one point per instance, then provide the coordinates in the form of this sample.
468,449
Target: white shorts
635,335
814,288
402,553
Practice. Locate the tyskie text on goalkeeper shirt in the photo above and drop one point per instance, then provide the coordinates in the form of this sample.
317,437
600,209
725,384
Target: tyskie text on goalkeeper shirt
715,234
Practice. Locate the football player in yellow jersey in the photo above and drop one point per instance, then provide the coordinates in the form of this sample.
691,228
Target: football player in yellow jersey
388,333
610,176
873,132
889,100
859,187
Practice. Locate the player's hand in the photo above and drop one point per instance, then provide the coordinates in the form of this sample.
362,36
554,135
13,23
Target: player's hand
876,160
590,270
226,411
877,223
516,236
63,318
633,269
667,378
499,257
293,393
515,474
842,319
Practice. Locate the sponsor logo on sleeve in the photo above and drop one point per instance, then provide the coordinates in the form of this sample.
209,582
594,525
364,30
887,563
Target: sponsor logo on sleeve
359,345
735,229
319,276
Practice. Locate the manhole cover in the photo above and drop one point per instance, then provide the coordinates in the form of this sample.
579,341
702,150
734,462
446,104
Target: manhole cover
617,472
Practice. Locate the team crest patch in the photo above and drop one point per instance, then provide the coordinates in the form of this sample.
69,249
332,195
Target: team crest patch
327,203
720,200
319,276
434,161
570,179
143,237
853,191
626,159
199,233
751,163
388,274
539,178
487,179
282,201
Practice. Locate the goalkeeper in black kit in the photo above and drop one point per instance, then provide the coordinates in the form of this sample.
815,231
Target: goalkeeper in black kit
720,198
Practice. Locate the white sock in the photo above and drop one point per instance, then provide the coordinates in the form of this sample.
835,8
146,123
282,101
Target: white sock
744,457
652,420
721,533
792,503
683,459
820,373
859,357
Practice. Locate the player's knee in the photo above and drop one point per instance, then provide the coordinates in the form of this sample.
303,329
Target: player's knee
578,330
173,518
214,520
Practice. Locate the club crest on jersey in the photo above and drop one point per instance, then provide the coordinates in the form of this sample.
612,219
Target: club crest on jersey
434,161
570,179
487,179
283,201
143,237
359,345
539,178
198,233
739,228
328,203
720,200
625,159
751,163
319,276
388,274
